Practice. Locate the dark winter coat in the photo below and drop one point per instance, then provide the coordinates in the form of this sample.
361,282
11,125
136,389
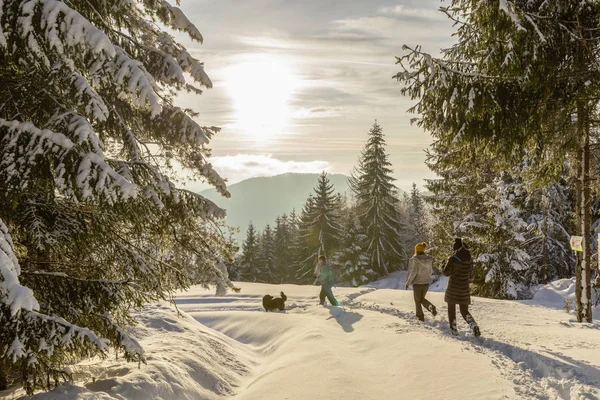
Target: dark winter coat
459,267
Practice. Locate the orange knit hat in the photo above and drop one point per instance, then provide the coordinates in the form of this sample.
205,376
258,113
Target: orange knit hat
420,248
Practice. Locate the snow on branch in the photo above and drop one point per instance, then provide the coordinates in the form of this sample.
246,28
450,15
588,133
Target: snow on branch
194,67
62,28
130,74
133,348
87,97
12,293
508,7
188,129
73,332
23,143
180,22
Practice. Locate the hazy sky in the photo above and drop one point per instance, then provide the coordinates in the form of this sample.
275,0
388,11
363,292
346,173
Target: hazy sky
298,84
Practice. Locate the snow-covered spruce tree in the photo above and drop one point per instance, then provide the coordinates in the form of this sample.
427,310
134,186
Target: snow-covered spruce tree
283,243
295,246
249,259
266,261
498,217
501,238
408,233
549,216
457,200
91,226
352,259
523,75
377,205
418,217
319,229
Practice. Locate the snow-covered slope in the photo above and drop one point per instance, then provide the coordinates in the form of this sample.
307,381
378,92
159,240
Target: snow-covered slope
371,347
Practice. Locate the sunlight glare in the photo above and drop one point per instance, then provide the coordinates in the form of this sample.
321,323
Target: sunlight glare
261,91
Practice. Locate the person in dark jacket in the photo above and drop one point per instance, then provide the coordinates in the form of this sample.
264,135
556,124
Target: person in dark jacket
420,268
459,267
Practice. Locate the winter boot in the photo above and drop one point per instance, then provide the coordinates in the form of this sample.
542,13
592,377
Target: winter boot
453,328
432,310
469,318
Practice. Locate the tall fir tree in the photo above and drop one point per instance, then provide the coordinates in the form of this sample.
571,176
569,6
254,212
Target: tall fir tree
250,257
319,230
377,205
549,215
500,238
418,217
353,260
283,243
266,264
508,228
91,225
522,78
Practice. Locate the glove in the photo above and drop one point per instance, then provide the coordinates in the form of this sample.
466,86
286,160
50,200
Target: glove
406,287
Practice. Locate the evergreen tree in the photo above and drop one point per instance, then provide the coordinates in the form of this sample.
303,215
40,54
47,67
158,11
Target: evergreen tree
351,257
283,243
502,218
319,228
523,78
266,269
418,218
377,205
549,215
500,238
295,246
249,260
91,226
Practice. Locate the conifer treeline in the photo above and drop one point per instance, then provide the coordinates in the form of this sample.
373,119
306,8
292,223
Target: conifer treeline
362,233
518,233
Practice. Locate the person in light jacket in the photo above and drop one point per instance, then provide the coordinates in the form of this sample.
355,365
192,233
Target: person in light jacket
459,267
420,268
327,275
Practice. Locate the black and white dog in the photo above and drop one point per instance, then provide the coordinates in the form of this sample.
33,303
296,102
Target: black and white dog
271,304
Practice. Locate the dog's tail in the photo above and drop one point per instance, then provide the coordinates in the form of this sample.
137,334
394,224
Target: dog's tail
283,296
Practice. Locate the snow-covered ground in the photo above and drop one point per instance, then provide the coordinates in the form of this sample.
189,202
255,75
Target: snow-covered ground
371,347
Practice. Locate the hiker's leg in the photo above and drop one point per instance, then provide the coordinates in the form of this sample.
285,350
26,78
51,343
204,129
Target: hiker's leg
322,295
426,303
418,296
330,295
464,311
452,318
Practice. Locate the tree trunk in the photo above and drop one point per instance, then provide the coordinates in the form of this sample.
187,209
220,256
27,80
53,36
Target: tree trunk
583,289
3,375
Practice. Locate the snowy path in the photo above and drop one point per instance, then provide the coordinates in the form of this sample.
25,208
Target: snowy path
374,348
370,348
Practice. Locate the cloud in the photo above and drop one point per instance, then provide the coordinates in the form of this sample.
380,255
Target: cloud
243,166
342,53
404,13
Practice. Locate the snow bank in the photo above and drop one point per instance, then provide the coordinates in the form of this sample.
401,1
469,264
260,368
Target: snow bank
555,293
372,347
185,360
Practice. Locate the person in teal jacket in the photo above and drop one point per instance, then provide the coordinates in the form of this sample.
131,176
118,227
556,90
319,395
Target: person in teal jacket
327,275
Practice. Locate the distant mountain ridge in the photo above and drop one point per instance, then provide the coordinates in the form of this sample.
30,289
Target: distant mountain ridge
262,199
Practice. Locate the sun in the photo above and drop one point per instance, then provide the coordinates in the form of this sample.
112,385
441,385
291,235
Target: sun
261,90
